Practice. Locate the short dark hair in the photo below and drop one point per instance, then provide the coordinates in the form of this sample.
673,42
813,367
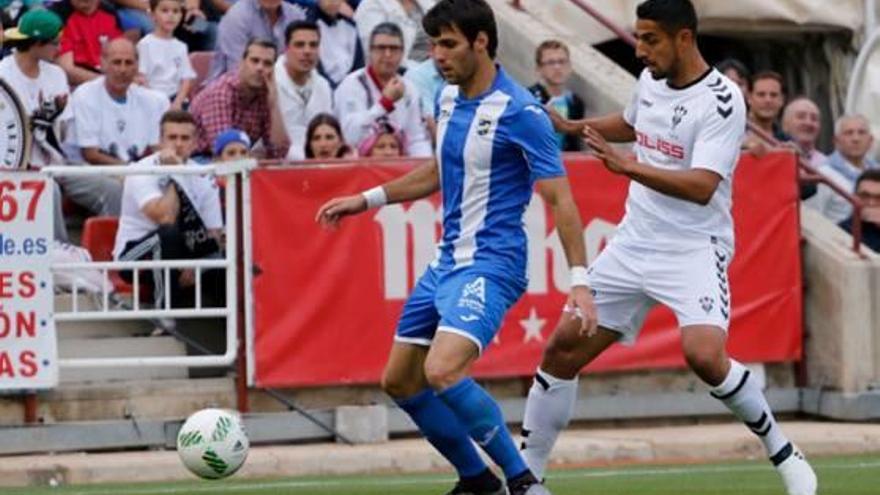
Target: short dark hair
301,25
767,74
263,42
155,3
468,16
388,29
549,45
671,15
736,66
872,175
177,117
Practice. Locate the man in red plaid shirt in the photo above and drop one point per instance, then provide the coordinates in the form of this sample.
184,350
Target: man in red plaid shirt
244,98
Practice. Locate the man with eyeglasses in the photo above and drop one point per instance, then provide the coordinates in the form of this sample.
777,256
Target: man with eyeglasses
378,93
42,88
554,70
868,191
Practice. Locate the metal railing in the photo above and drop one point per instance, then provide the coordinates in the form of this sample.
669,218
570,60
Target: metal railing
810,174
108,310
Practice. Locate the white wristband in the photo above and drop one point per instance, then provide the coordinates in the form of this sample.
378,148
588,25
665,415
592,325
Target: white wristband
375,197
579,276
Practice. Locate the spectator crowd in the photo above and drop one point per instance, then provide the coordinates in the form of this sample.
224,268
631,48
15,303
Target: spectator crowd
795,121
158,82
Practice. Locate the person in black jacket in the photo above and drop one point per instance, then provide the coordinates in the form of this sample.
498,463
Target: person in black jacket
554,70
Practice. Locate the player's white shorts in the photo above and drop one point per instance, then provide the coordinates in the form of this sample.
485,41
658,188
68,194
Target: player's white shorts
627,281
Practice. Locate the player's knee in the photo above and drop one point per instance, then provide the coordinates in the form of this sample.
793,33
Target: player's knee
397,387
703,361
441,375
561,359
558,347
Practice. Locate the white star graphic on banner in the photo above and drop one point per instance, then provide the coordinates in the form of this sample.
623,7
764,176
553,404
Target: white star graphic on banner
533,326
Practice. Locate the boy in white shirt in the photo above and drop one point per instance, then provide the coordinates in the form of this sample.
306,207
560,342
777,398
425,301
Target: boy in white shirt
164,60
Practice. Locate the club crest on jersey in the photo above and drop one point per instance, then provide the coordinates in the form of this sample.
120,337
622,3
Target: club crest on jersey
677,115
707,303
120,125
484,125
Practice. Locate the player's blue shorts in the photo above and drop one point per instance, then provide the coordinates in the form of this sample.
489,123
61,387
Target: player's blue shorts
464,302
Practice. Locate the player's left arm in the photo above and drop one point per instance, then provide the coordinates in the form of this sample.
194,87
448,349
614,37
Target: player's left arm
695,185
557,194
532,131
715,151
420,182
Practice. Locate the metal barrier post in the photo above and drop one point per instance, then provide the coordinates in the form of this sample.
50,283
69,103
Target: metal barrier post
30,408
241,365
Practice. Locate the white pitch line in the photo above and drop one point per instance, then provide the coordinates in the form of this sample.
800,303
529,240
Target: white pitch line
560,475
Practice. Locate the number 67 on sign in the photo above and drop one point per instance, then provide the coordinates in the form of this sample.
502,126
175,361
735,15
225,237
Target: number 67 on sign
28,346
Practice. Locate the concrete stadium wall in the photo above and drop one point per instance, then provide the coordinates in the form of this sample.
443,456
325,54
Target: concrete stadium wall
841,309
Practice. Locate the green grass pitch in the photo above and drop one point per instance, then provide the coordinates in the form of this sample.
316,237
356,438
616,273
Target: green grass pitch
837,476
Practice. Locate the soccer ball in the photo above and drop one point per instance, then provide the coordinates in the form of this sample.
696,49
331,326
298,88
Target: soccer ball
212,443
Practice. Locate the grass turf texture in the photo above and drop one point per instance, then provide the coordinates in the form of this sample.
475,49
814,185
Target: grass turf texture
837,476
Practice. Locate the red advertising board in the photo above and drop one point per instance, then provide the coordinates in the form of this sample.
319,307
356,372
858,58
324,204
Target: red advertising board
327,302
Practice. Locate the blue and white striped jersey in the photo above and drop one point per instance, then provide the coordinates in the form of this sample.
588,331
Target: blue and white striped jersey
490,151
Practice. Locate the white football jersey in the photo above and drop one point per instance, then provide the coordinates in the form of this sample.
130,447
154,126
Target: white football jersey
699,126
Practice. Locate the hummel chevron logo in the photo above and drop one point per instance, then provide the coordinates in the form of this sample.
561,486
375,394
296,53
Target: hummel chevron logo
469,318
724,98
725,112
718,82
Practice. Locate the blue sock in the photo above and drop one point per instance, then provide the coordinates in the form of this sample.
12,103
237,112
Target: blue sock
482,417
445,432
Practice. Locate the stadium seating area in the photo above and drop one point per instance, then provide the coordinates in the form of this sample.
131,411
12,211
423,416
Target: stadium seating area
346,47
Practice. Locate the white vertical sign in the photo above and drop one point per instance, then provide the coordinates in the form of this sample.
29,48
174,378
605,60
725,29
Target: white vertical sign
28,347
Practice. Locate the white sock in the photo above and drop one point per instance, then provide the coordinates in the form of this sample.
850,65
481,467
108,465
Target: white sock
548,411
741,395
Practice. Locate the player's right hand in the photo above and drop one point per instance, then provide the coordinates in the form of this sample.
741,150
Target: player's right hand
581,303
563,125
334,210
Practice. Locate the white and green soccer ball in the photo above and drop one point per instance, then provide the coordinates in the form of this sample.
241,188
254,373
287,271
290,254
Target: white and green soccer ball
212,443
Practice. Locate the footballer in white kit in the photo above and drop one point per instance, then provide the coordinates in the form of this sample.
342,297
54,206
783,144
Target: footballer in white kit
674,243
670,250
